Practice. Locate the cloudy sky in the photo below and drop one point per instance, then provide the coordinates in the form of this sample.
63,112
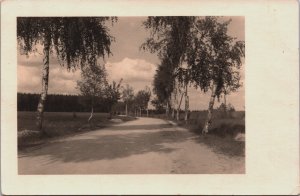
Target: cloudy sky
136,67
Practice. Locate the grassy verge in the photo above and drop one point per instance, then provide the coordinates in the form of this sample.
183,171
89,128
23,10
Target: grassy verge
222,133
59,124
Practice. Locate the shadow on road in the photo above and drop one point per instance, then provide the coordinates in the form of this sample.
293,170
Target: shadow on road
139,127
110,146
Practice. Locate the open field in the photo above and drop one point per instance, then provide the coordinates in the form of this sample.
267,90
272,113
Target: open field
59,124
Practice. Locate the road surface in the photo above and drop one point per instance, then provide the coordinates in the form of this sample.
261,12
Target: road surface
142,146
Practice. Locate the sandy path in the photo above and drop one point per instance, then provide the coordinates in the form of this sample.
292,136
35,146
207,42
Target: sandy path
143,146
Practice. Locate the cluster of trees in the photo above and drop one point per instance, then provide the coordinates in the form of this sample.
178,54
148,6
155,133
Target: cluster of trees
135,103
193,51
61,103
94,86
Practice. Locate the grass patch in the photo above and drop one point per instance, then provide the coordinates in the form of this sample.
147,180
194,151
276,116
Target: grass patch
222,132
226,145
221,126
58,124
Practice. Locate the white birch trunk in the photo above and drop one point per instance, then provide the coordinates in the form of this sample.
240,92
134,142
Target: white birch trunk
91,116
178,108
45,80
173,113
209,111
186,105
167,109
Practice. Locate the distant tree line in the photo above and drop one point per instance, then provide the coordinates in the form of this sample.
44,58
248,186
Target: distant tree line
61,103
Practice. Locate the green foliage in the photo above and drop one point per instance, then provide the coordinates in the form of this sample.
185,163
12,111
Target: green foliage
127,94
62,103
112,93
163,83
214,57
169,37
159,106
142,98
75,40
93,81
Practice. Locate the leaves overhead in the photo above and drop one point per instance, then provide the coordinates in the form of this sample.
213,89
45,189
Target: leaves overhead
212,56
142,98
77,41
169,37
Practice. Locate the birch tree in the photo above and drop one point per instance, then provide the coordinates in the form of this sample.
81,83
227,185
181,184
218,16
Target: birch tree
76,42
169,38
127,96
214,59
93,85
142,99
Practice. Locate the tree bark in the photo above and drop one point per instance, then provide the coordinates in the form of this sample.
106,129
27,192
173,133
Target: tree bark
147,112
140,112
167,109
91,116
45,80
126,110
209,111
225,104
178,108
173,113
186,105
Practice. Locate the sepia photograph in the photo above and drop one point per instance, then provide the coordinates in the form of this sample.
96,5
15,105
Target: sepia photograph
131,95
164,97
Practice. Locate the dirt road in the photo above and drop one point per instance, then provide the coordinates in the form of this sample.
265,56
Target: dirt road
142,146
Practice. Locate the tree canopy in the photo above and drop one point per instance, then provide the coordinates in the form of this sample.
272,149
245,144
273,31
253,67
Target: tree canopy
75,40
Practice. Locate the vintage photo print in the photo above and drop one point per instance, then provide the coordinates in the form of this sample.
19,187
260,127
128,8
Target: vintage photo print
131,94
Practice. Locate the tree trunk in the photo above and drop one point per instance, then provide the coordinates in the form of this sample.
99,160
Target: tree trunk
147,112
91,116
225,104
209,112
173,113
167,109
45,80
140,112
178,108
126,111
186,105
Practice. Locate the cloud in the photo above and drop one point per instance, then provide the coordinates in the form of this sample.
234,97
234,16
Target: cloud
61,80
29,79
135,72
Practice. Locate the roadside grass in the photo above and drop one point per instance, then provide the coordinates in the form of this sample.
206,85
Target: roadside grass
225,145
222,126
222,133
59,124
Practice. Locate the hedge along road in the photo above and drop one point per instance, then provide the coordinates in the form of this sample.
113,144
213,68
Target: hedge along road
142,146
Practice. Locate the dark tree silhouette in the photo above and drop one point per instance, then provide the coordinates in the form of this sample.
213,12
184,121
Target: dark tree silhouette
163,84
